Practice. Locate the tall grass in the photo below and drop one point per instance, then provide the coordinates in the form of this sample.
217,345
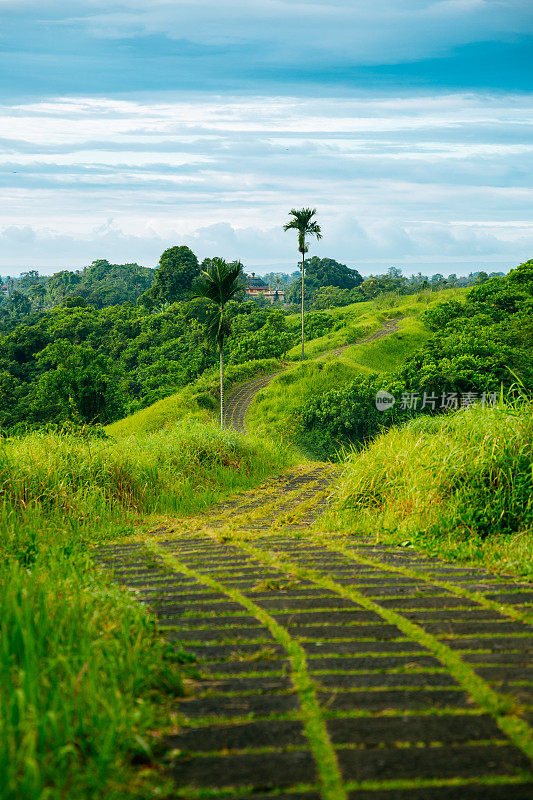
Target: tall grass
85,679
459,484
95,480
79,662
197,402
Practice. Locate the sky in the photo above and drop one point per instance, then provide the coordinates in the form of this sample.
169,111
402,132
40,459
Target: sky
128,127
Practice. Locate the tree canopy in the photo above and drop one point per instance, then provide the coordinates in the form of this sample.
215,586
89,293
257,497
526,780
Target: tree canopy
178,268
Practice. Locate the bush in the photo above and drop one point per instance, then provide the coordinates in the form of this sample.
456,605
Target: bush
346,416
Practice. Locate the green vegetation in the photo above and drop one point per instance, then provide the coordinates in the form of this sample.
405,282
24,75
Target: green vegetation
86,681
84,677
478,346
460,485
101,284
178,267
198,401
95,366
329,284
281,407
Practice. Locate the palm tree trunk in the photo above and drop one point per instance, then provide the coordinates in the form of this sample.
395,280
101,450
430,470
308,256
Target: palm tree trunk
303,266
221,388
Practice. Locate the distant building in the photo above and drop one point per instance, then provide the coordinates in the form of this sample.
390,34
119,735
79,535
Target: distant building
255,287
5,290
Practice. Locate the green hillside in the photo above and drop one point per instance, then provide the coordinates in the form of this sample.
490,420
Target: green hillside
458,485
273,409
200,399
82,656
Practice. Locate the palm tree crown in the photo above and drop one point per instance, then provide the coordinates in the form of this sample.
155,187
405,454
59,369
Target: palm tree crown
303,222
219,283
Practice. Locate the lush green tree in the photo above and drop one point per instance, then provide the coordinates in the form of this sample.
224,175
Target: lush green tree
219,283
522,276
77,384
302,221
18,304
61,284
332,297
178,268
328,272
29,279
293,295
270,340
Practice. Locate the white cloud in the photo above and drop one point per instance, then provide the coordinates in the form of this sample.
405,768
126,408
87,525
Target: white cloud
328,30
392,176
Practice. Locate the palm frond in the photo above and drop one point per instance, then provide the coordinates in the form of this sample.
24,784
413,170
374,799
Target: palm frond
303,222
218,327
218,282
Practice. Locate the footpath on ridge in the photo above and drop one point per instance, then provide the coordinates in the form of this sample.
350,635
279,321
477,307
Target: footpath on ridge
238,401
333,667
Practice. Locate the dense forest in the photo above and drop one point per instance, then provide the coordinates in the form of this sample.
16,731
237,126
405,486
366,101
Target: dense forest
328,284
95,345
478,346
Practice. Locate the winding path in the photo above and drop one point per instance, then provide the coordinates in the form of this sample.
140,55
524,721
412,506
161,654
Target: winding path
334,668
238,401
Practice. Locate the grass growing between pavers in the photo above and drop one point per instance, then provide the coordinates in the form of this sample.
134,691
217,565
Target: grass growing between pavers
87,682
314,725
499,706
519,614
458,485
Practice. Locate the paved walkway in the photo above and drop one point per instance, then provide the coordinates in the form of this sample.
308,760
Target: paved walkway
335,668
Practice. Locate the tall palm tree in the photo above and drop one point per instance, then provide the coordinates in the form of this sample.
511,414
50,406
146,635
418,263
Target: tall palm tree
303,222
219,282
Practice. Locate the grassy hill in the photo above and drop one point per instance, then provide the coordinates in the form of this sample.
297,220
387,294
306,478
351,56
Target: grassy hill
200,400
272,411
197,402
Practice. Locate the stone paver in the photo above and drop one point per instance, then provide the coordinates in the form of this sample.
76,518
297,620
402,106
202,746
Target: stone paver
392,711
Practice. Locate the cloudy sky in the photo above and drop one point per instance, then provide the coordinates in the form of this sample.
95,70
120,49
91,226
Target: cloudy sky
128,126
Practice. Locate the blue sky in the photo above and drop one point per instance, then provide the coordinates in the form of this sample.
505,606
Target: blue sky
127,127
